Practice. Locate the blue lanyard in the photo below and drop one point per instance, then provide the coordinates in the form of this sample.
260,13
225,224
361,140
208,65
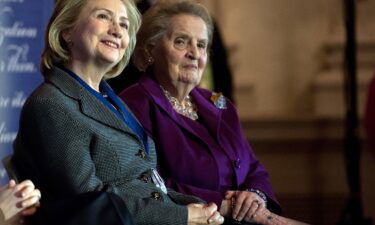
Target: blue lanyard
115,105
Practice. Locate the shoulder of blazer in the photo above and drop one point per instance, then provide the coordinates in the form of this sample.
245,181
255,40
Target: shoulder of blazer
58,90
137,99
64,82
204,92
134,94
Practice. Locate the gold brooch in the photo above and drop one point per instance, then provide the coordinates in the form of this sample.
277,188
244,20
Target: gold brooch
219,100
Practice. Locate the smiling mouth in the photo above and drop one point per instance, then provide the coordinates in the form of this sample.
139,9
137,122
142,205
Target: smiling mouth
191,67
111,44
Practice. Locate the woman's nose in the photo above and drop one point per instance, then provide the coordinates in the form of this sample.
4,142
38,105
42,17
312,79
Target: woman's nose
193,52
115,30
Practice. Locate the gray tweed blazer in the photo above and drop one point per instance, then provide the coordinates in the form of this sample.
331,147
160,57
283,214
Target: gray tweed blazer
69,142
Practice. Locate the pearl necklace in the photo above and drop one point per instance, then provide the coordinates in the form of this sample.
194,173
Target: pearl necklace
189,109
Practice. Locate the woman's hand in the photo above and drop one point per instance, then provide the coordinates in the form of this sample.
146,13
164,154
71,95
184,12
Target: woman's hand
16,198
204,214
266,217
244,204
256,213
226,207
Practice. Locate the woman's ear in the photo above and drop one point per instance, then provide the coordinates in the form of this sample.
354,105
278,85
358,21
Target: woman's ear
150,47
66,35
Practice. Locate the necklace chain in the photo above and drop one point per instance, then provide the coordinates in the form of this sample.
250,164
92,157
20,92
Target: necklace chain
189,109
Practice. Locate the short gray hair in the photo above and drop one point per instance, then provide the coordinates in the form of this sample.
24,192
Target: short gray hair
156,22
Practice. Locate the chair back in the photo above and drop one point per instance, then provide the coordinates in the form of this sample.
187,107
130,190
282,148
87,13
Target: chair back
7,162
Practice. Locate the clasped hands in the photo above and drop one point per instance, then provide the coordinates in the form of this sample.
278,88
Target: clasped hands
244,205
17,200
204,214
240,205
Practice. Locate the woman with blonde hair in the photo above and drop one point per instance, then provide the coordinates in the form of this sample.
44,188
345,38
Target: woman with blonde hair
76,136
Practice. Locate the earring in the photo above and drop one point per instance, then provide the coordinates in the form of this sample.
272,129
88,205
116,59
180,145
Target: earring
150,60
69,42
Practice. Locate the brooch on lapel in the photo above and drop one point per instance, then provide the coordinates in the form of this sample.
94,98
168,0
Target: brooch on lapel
219,100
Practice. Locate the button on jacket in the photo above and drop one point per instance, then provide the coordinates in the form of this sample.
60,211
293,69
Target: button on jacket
203,158
69,143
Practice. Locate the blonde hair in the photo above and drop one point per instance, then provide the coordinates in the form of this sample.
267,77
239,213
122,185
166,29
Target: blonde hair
156,21
64,17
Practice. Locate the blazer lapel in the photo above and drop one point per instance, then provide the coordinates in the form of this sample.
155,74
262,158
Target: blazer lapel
96,110
208,113
213,120
90,105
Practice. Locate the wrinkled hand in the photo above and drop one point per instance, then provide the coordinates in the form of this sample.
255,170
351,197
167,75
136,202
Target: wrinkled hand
245,204
204,214
226,207
16,198
266,217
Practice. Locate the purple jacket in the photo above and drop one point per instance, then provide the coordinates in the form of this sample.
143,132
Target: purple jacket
185,159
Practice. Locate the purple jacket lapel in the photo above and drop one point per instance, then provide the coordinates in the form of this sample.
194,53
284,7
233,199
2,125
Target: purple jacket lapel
212,117
156,93
207,111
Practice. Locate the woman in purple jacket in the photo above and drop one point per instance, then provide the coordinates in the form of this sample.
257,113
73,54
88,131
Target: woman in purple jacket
201,148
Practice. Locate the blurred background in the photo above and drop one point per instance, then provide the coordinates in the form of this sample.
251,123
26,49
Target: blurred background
286,61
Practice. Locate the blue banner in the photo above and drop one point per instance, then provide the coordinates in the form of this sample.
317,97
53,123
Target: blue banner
22,25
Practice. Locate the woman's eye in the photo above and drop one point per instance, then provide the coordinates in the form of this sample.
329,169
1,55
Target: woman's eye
179,42
202,45
124,25
103,16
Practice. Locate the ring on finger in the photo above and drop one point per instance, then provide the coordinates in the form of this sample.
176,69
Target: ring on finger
233,202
